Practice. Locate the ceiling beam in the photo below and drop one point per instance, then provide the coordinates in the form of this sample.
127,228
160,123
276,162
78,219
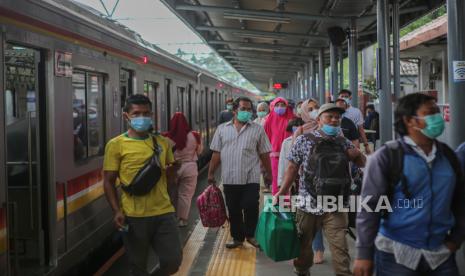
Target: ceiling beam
263,13
261,33
262,45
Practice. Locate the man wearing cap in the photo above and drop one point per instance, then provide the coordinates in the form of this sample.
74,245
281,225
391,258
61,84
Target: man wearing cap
310,216
356,116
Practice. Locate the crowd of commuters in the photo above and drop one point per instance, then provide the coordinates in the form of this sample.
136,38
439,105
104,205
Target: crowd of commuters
290,150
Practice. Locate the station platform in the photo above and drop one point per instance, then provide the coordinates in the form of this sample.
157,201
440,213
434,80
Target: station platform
205,254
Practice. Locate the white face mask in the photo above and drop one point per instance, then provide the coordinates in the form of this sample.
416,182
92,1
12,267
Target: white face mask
314,114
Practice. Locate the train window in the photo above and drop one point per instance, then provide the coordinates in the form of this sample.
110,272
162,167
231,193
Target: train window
189,105
197,105
125,79
88,115
212,102
150,90
180,99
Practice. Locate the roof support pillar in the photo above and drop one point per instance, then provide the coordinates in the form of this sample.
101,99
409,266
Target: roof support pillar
353,62
383,73
321,76
456,53
333,74
312,77
396,48
307,80
341,68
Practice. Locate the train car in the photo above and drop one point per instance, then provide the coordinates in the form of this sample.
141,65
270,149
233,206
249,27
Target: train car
66,74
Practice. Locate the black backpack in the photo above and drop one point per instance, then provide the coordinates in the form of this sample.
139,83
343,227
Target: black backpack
396,168
329,167
147,176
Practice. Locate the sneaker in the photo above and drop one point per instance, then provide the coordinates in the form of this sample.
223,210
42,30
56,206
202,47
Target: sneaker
233,244
253,242
183,223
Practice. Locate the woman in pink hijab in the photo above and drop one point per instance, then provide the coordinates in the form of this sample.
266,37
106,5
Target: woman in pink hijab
275,128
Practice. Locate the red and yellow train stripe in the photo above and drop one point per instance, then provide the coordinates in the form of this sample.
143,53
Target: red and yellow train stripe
81,191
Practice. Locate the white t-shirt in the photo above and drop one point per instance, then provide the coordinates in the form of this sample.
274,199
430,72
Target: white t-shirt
355,115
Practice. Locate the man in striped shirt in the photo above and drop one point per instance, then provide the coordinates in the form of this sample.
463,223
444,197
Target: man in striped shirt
239,146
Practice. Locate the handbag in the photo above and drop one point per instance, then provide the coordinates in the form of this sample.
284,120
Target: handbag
277,235
147,176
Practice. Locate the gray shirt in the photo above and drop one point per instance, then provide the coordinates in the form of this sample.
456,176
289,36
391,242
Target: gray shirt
240,151
355,115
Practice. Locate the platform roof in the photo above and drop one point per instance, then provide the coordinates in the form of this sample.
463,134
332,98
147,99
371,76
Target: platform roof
273,39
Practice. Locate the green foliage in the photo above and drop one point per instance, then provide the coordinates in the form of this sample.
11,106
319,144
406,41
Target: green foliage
213,63
423,20
369,87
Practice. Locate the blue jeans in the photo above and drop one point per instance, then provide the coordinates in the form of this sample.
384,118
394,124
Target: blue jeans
317,244
385,265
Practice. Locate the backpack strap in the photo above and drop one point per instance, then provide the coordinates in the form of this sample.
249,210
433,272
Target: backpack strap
396,173
453,160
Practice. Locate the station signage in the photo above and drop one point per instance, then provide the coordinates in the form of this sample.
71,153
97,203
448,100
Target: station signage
459,71
279,85
63,65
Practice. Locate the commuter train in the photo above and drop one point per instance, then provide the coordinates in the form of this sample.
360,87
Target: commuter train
66,74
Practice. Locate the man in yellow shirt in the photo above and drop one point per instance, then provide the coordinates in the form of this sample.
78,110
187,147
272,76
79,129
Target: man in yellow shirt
146,220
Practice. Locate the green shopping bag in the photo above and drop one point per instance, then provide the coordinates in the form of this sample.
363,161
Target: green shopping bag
277,235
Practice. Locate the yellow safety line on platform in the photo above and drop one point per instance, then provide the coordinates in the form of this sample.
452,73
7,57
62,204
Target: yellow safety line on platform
191,249
231,262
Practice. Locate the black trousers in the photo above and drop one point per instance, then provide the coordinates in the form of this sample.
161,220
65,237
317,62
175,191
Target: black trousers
159,232
242,202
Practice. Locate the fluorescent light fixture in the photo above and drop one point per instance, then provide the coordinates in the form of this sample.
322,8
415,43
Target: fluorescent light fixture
260,36
257,17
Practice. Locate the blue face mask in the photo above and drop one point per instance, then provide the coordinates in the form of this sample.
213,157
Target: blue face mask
331,130
244,116
229,107
280,110
434,125
141,124
294,129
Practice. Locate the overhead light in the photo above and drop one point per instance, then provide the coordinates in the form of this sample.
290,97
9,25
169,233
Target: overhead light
257,17
260,36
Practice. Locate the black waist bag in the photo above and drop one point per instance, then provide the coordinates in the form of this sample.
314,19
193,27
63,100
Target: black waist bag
148,176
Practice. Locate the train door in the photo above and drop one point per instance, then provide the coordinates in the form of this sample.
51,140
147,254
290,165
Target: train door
4,266
26,160
126,90
150,90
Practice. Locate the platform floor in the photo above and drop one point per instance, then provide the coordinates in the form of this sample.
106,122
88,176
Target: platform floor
205,254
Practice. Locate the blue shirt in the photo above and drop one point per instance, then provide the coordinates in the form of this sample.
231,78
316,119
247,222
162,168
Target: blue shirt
461,155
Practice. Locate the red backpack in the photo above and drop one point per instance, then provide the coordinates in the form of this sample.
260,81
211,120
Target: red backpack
211,207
